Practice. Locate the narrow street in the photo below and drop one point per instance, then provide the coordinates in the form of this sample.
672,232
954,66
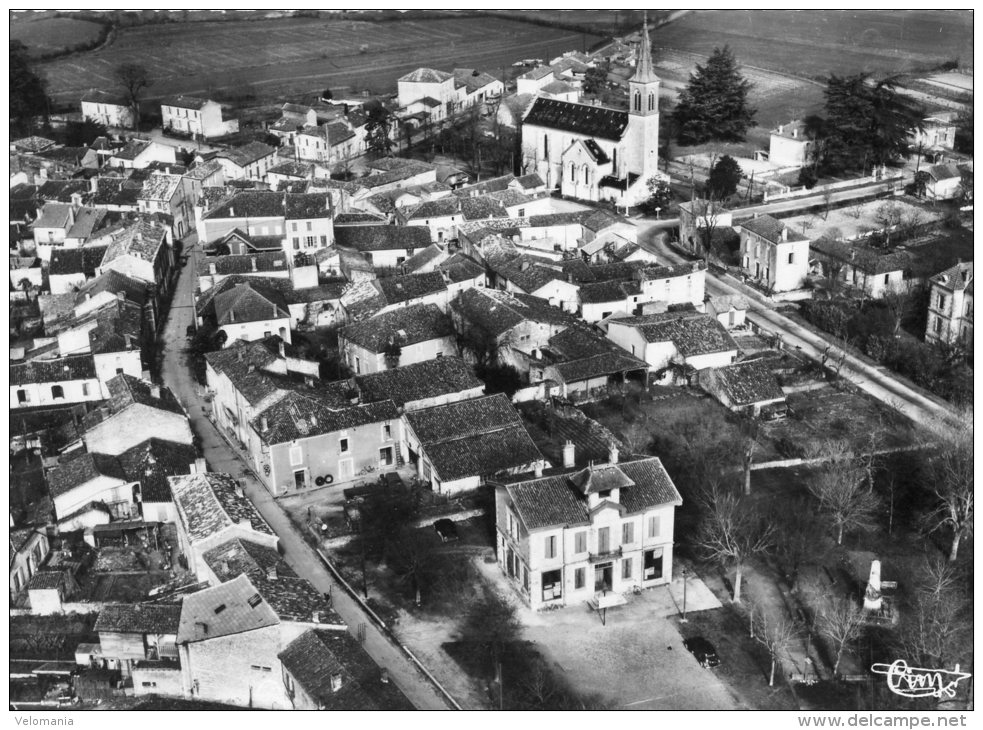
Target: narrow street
299,555
877,381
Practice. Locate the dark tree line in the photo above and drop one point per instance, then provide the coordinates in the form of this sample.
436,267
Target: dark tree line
28,97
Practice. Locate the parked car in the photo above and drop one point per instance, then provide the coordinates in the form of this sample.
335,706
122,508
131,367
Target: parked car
446,530
703,650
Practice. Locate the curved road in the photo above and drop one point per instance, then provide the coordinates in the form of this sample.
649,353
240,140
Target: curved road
299,555
877,381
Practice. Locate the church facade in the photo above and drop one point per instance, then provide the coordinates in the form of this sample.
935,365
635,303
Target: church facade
593,152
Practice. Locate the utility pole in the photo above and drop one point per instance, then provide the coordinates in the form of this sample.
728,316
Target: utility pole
684,620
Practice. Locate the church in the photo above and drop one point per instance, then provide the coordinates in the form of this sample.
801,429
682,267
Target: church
593,152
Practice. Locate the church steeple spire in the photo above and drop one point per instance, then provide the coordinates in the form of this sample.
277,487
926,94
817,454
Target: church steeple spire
644,73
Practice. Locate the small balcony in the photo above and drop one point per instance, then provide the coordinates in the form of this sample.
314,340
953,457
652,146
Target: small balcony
602,556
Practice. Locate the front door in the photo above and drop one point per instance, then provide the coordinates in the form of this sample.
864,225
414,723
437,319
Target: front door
602,577
346,469
300,479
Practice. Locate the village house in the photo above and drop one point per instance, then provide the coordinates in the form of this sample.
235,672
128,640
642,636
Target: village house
874,271
132,634
135,412
584,365
327,144
458,446
422,332
196,117
695,341
440,217
696,217
256,214
789,145
461,272
747,387
409,289
110,110
268,264
60,381
772,255
173,195
671,285
425,260
729,310
70,268
251,311
283,174
423,385
383,246
936,134
91,477
142,251
211,509
943,181
577,534
249,162
950,306
310,439
148,465
110,286
139,154
29,547
438,95
308,219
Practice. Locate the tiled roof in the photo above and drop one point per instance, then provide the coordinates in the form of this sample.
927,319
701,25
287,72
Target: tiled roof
498,312
355,217
532,180
692,335
609,291
250,204
316,656
120,328
62,190
955,278
160,186
256,243
203,170
82,469
152,462
141,239
771,229
185,102
439,208
558,87
381,238
243,363
423,257
134,148
139,618
301,415
465,418
264,261
592,121
125,390
870,260
46,580
292,169
98,96
945,171
428,379
76,260
494,185
247,154
73,367
115,283
557,500
540,72
208,503
460,267
473,80
249,302
398,289
483,454
750,382
32,144
233,607
308,205
413,324
87,221
482,207
236,557
54,215
402,173
426,76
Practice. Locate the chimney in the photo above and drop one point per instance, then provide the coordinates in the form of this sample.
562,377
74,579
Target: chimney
155,391
784,233
76,201
121,296
199,467
93,184
239,354
232,212
539,468
271,574
283,349
613,454
335,682
252,262
238,489
212,269
264,424
384,676
316,617
569,452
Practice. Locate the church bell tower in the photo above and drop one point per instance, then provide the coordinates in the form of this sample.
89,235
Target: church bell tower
643,113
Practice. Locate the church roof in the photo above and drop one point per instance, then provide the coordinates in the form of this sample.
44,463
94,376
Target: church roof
567,116
644,72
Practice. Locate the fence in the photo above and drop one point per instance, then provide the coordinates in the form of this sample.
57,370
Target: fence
802,192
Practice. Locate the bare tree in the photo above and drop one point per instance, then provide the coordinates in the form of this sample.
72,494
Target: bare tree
889,215
938,619
841,621
856,210
952,469
897,300
133,79
799,537
705,213
827,202
775,634
843,490
749,429
732,532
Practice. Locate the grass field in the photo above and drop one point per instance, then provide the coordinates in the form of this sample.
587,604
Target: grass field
815,43
48,35
278,58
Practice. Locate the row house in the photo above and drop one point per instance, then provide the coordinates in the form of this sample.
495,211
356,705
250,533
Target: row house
197,117
143,251
268,264
309,221
139,154
696,341
57,382
418,333
423,385
459,446
311,439
579,534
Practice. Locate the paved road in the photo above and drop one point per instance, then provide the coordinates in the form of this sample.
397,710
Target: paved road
299,555
877,381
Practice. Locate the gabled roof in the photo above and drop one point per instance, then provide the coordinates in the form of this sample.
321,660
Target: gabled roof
237,557
540,72
262,262
566,116
250,204
249,302
482,207
54,215
421,258
185,102
557,501
141,239
152,462
428,379
608,291
139,618
72,367
84,260
233,607
125,390
300,206
497,312
439,208
382,238
945,171
460,267
160,186
302,415
209,503
409,325
115,283
956,278
247,154
473,80
82,469
692,335
870,260
579,353
750,382
398,289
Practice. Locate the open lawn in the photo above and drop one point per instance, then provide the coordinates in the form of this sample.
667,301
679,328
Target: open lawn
854,220
50,35
278,58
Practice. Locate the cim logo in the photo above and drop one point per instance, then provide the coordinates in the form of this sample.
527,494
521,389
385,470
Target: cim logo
917,682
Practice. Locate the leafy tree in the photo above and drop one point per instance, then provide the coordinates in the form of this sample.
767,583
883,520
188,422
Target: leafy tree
28,96
660,194
724,178
595,79
327,95
499,379
378,130
964,134
714,105
133,79
386,514
492,624
84,133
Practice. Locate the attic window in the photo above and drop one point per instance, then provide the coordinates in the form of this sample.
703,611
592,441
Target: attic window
254,601
219,609
605,494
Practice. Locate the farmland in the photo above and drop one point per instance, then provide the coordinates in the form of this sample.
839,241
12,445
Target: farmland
276,58
816,43
49,35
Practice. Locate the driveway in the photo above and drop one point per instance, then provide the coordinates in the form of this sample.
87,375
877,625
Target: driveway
221,457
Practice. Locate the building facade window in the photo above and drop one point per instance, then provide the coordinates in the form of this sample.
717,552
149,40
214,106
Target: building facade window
627,533
626,569
579,578
654,526
296,456
580,542
343,445
57,392
386,456
550,546
552,584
